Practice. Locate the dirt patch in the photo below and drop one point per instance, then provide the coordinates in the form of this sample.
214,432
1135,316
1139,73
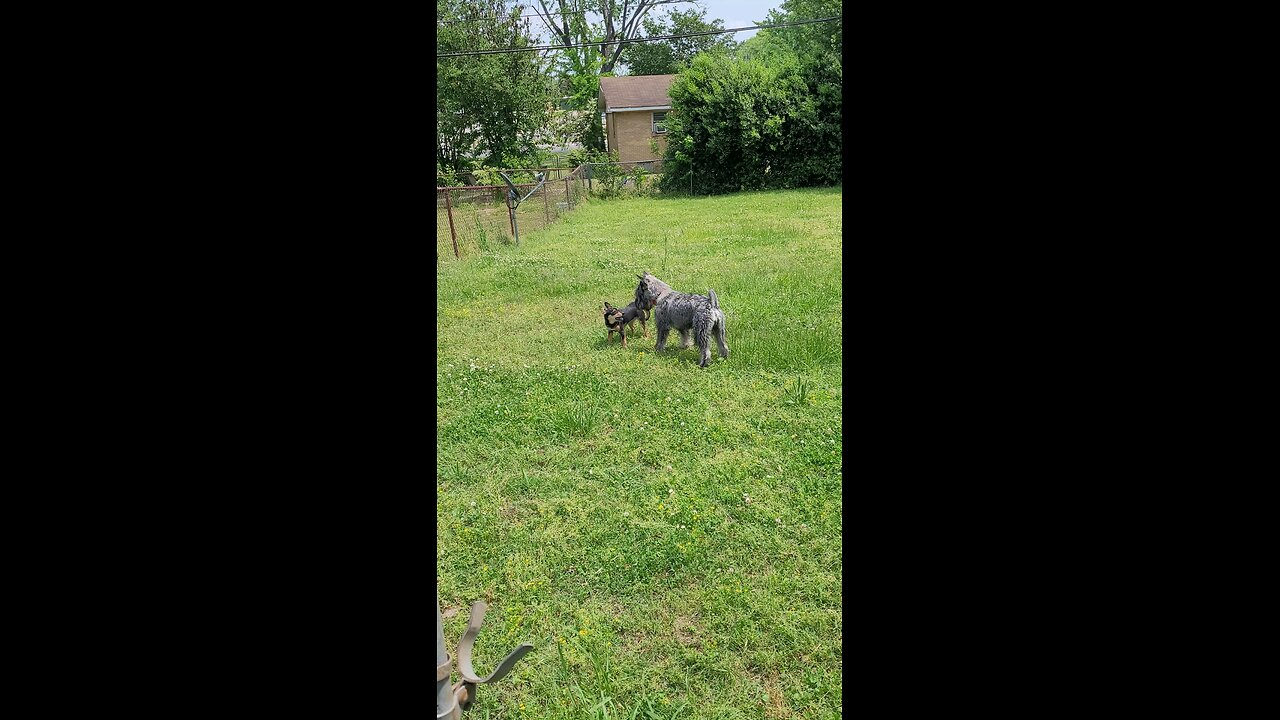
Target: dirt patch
777,707
686,628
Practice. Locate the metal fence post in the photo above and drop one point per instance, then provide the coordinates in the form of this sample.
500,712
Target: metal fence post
546,205
446,703
511,215
448,208
567,198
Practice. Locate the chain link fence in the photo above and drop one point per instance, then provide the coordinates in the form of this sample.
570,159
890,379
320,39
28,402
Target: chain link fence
614,177
472,219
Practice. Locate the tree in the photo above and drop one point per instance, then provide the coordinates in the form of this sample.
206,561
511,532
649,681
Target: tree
580,68
812,54
764,48
620,21
819,47
818,41
489,108
740,124
591,131
667,57
727,124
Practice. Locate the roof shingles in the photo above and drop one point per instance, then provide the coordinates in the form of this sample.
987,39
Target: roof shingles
634,91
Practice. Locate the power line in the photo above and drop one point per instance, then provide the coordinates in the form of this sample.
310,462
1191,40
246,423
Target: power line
629,41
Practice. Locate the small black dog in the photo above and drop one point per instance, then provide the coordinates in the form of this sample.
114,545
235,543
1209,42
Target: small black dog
619,319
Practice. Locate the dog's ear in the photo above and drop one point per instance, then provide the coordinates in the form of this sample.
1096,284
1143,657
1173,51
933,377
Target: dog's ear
607,306
640,276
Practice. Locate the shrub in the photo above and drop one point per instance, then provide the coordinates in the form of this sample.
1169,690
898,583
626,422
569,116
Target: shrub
746,125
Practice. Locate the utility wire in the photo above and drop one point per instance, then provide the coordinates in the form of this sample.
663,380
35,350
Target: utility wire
629,41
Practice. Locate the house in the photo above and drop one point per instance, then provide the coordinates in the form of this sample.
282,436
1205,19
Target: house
635,108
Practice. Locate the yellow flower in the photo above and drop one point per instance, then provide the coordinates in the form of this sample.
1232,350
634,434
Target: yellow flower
582,631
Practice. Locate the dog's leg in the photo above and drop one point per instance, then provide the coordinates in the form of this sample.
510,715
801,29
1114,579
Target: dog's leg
702,332
644,329
724,346
685,341
624,337
663,329
610,336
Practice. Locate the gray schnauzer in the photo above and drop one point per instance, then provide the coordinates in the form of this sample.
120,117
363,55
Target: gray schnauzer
683,312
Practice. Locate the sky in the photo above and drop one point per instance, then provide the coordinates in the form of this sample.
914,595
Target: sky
734,13
738,13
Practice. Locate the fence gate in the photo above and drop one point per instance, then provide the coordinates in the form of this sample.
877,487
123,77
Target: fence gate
472,219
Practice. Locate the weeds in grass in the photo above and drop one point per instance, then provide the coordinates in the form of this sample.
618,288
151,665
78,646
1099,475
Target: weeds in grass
576,421
796,393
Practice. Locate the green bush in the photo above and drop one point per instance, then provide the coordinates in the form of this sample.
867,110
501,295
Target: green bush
638,177
608,178
744,124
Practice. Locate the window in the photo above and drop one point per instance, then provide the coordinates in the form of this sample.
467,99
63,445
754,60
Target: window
658,119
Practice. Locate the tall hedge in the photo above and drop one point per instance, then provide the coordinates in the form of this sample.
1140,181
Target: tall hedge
746,124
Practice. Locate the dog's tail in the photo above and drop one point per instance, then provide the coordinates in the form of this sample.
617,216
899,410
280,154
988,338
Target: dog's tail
715,302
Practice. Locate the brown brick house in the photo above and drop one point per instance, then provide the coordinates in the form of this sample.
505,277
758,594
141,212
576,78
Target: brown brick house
634,109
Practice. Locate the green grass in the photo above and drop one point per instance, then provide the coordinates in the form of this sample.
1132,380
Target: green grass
667,536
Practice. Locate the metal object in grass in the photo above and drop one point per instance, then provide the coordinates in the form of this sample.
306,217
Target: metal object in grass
451,701
513,196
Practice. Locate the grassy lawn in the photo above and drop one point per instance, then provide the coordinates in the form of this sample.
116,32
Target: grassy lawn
668,537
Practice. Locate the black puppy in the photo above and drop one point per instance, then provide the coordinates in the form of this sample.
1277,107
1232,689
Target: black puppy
619,319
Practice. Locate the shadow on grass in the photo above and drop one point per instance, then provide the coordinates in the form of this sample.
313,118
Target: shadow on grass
675,355
635,342
672,355
604,343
